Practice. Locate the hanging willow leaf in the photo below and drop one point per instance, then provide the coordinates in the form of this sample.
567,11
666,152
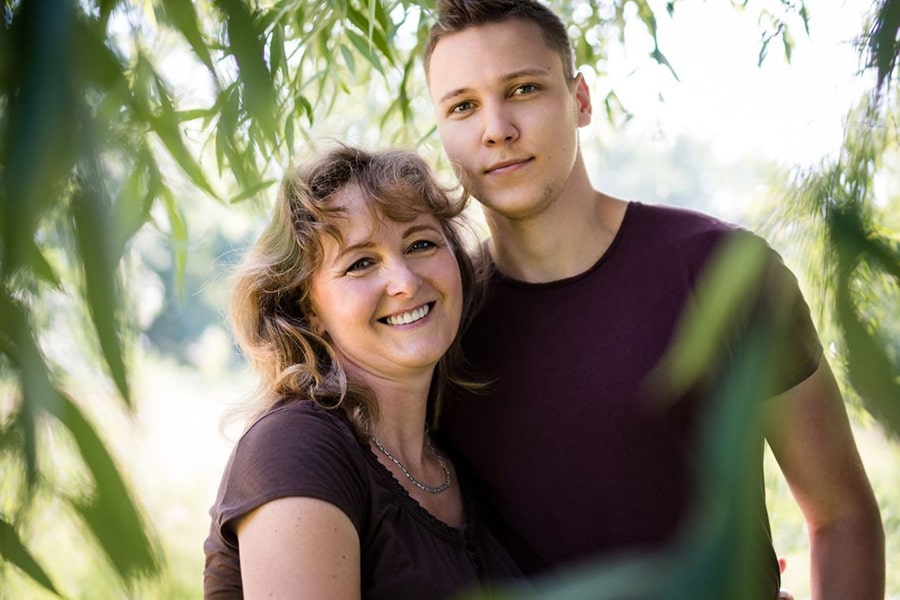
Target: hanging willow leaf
14,551
109,511
368,26
42,268
178,231
698,337
247,45
252,191
131,209
37,390
362,46
106,8
882,40
183,15
90,212
870,370
38,122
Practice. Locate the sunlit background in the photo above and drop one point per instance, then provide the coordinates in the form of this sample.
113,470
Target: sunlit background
716,138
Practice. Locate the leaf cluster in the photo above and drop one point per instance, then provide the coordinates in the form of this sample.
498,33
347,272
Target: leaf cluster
97,143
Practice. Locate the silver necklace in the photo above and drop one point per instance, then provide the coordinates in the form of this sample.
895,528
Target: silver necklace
419,484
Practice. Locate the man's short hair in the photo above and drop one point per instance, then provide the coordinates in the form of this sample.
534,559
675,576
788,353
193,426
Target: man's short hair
454,16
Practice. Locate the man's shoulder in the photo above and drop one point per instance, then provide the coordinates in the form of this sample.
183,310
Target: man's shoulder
677,221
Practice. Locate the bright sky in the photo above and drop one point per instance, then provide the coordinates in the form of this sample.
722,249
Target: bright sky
791,113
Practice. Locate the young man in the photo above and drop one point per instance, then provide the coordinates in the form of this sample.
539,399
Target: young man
573,450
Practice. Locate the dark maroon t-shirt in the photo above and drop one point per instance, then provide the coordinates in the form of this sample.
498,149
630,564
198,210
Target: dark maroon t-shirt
300,449
575,459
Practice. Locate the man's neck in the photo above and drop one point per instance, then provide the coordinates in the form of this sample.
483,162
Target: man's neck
560,243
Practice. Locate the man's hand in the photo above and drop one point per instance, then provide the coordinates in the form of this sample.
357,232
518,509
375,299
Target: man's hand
783,594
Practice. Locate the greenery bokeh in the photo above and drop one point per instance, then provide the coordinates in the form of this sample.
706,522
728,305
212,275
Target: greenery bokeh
140,145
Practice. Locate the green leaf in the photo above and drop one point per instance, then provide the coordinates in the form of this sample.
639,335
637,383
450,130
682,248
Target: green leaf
179,237
246,44
183,15
698,336
277,57
882,39
659,57
131,209
868,365
42,268
106,9
349,60
252,191
94,234
362,46
14,551
374,35
166,126
198,113
109,512
18,344
289,133
307,108
38,123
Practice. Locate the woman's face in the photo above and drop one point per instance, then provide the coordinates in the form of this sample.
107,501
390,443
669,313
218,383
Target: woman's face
389,296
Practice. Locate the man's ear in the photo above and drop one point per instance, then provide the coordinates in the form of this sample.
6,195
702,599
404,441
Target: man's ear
583,101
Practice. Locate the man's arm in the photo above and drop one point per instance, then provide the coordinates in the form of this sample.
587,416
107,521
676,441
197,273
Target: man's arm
809,433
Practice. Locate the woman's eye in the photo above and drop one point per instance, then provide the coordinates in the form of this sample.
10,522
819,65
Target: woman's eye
360,264
421,245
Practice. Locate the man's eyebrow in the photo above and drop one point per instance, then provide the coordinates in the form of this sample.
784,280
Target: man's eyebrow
527,72
453,94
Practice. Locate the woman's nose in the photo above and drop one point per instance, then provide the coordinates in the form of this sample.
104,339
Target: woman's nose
401,278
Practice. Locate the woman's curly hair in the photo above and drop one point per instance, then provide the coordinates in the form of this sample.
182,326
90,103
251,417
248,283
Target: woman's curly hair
270,299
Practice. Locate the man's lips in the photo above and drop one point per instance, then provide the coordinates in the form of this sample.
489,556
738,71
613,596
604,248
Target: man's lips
507,166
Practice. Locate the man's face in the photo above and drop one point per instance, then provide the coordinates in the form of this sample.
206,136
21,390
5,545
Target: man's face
507,116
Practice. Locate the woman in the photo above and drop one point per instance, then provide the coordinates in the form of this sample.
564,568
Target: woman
349,306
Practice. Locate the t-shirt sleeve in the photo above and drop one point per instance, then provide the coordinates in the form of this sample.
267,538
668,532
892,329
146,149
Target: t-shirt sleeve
796,341
295,450
773,313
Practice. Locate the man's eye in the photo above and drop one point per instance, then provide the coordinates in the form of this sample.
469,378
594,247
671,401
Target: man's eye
420,245
461,107
525,89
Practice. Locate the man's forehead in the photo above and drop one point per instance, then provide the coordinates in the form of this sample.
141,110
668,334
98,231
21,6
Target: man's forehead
492,52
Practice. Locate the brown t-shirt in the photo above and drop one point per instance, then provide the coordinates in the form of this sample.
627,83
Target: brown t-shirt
300,449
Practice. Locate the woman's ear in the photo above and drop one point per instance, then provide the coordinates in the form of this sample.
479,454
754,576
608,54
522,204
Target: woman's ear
314,321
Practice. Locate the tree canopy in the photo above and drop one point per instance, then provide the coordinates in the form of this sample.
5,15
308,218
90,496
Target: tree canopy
114,114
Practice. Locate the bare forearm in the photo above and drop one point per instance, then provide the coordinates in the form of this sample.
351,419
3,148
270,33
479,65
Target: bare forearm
848,559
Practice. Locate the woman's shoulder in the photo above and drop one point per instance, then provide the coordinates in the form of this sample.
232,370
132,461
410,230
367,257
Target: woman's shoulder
292,413
300,429
297,448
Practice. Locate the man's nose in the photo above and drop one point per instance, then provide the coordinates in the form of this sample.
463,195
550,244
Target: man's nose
499,127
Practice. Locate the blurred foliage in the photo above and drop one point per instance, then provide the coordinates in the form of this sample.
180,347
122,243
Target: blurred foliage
839,220
117,117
